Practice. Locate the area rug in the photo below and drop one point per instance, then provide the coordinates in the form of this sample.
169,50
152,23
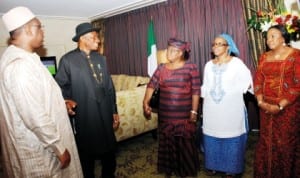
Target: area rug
137,157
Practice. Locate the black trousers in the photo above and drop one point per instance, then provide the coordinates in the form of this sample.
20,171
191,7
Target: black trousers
108,162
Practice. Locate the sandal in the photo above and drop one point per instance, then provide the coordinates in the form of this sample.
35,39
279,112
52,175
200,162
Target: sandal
211,172
230,176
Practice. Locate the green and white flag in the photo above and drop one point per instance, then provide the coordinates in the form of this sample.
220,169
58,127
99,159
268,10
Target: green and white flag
151,49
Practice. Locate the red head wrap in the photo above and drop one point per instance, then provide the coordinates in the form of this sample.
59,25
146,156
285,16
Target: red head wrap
185,46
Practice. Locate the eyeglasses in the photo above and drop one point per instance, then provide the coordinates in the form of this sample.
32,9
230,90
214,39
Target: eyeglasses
219,44
172,50
38,26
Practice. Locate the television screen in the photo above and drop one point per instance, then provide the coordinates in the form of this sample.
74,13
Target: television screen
50,64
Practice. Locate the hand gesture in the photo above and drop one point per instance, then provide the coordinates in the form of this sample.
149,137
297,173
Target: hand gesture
64,159
71,105
147,110
116,121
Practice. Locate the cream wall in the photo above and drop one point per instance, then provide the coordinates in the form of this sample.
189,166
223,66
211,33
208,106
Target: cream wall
58,36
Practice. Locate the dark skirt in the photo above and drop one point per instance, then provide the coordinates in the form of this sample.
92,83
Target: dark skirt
177,151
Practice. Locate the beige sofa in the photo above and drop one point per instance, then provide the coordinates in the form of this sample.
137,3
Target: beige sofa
130,106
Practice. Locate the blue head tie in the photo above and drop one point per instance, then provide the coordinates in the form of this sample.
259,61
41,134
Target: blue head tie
232,47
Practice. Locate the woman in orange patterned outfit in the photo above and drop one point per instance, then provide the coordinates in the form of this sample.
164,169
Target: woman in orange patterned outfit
277,88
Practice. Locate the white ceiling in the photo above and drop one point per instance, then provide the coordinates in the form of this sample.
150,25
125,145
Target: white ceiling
83,9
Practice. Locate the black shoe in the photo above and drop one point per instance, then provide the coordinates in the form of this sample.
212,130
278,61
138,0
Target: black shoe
210,172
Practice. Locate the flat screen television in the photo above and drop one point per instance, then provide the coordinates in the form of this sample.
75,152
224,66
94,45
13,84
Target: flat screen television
50,64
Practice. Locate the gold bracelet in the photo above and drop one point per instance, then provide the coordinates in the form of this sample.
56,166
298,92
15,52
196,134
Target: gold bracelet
194,112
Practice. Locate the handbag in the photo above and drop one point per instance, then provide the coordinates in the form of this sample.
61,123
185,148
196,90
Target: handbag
154,101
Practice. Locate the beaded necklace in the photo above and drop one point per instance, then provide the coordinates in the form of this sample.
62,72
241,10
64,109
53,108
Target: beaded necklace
98,78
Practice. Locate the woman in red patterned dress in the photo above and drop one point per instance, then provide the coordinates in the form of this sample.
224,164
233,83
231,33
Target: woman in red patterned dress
277,88
179,84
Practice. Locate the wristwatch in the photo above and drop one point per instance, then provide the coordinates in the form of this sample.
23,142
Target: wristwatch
280,107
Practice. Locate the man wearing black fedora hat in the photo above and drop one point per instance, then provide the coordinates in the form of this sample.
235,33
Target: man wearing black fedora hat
90,99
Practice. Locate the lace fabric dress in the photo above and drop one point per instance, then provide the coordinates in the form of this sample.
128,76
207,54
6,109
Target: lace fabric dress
278,148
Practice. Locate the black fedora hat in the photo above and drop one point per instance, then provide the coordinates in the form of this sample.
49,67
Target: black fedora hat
82,29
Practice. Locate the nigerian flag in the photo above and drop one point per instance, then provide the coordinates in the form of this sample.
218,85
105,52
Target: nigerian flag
151,49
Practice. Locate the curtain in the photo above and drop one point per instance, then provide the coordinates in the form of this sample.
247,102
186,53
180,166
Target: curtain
196,21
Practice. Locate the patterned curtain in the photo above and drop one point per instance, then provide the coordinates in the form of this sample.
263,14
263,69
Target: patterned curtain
256,40
196,21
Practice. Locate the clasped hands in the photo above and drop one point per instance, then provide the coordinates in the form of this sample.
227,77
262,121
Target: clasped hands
269,108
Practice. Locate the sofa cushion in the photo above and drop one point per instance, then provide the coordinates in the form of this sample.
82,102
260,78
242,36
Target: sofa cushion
130,109
128,82
118,81
130,91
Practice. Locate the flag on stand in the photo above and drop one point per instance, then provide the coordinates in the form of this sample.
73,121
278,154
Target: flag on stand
151,49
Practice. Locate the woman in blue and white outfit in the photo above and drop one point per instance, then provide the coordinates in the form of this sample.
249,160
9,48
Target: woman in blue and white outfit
226,79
